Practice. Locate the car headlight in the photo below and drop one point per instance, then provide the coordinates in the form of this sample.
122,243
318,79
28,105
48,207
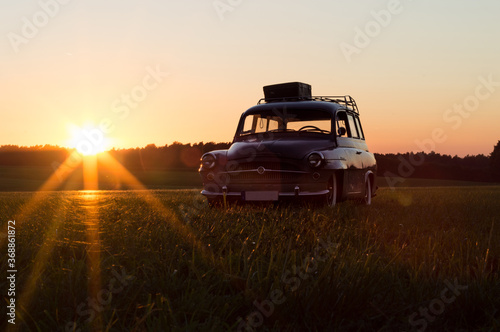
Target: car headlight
208,161
315,159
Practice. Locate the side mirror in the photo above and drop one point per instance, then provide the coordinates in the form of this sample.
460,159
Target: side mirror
342,131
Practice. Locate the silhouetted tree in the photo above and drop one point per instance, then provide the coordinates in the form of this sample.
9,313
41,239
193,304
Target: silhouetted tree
495,162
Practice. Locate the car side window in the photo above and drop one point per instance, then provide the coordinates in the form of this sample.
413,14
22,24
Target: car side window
341,121
265,125
360,129
257,124
352,126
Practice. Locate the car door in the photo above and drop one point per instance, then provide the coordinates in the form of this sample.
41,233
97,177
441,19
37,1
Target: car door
348,139
356,170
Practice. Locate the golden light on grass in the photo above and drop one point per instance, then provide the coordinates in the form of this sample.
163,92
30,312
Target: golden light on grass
90,202
170,217
47,247
42,256
52,183
90,177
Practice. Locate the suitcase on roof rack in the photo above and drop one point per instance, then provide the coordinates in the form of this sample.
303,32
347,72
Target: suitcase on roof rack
291,90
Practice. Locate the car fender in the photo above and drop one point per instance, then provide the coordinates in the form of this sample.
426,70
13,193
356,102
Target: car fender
336,164
367,177
335,159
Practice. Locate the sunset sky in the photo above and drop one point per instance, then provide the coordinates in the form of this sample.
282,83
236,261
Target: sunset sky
425,74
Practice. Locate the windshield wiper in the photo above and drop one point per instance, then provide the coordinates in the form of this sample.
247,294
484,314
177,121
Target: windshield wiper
280,130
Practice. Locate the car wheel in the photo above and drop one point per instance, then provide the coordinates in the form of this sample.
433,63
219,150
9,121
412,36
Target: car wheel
367,199
331,197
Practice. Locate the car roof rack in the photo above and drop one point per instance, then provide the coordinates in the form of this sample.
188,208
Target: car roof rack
346,100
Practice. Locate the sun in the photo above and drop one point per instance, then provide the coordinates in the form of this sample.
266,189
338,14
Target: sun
88,140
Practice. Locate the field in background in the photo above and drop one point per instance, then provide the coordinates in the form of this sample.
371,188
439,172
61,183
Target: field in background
26,178
414,182
184,266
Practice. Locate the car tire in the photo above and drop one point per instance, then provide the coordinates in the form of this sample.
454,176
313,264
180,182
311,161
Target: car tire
367,199
331,197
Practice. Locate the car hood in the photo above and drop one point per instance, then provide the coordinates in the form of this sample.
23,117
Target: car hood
281,148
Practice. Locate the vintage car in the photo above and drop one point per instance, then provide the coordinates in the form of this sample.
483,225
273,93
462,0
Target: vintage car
293,145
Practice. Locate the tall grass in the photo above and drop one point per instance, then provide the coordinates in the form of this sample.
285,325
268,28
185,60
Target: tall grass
380,264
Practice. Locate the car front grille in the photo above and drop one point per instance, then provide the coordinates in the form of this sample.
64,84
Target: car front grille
267,176
270,165
265,172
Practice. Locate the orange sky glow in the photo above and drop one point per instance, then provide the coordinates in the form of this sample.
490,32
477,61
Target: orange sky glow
425,75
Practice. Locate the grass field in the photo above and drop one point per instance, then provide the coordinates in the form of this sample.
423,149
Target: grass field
417,259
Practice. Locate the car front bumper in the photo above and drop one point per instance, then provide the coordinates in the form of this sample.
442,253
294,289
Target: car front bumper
262,195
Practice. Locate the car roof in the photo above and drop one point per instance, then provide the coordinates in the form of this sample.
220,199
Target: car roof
328,106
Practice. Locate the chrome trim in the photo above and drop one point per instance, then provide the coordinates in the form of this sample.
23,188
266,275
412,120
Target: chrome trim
266,170
280,194
306,193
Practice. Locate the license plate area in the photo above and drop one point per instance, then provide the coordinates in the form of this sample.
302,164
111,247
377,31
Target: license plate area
261,196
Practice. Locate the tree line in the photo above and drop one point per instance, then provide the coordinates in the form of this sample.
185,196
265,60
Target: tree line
178,156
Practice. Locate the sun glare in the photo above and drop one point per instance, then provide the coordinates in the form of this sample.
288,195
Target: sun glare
88,140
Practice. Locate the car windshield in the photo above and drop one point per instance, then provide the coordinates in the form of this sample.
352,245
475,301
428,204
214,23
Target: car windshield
287,121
